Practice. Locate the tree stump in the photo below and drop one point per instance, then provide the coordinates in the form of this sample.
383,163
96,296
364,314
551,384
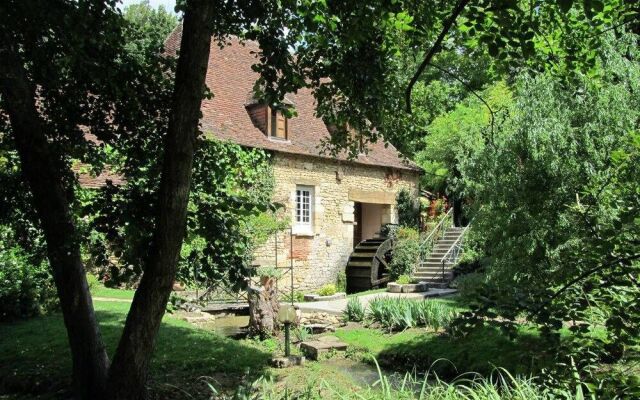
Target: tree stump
263,309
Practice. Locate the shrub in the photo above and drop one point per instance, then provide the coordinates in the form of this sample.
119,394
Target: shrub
405,253
398,313
327,290
469,285
354,311
404,280
297,296
269,271
301,334
408,209
341,282
26,289
92,281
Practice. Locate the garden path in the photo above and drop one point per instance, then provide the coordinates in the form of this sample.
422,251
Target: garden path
336,307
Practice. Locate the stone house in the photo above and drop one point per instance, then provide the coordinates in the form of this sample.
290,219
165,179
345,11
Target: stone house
333,203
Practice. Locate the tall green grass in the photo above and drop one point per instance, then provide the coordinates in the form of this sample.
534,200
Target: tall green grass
500,386
399,314
355,310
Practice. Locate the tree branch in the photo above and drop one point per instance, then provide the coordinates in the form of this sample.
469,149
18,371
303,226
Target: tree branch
434,49
582,276
470,89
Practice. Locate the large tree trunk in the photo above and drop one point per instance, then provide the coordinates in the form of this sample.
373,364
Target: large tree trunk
90,361
263,309
128,373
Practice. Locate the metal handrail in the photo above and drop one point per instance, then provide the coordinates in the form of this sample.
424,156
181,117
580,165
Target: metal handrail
455,246
436,228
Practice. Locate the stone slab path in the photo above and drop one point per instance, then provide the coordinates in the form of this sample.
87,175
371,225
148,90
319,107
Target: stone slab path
336,307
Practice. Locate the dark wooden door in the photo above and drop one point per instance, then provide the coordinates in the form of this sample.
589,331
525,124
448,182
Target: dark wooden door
357,223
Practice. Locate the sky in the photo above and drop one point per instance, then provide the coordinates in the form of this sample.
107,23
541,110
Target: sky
168,4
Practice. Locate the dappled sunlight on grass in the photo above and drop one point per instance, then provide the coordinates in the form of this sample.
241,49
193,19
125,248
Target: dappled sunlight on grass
481,351
34,354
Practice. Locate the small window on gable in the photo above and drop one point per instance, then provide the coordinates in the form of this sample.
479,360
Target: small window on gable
278,125
303,210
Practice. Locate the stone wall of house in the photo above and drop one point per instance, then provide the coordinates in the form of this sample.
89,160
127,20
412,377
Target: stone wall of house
318,257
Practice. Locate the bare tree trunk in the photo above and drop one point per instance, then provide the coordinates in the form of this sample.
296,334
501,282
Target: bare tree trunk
90,361
128,373
263,309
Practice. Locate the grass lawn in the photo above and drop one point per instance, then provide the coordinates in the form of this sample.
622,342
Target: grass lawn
99,290
34,355
481,351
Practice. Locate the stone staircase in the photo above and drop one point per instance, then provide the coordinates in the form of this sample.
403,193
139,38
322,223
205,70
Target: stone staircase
430,269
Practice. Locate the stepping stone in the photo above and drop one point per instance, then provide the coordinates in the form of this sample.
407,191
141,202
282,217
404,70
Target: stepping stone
316,348
319,328
286,362
329,339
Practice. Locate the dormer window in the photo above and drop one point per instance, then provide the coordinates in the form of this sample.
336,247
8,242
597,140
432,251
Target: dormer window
278,125
271,120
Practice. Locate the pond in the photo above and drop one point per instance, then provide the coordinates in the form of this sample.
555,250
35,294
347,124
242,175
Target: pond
230,326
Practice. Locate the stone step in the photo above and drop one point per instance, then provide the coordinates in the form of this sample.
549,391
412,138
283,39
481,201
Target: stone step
432,268
430,264
432,275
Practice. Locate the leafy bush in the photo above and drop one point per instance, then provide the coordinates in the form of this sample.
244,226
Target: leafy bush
398,313
469,285
297,296
408,209
327,290
405,253
26,289
92,281
404,280
301,334
354,311
268,271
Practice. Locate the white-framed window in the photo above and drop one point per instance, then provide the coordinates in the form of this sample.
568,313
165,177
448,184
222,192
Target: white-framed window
303,211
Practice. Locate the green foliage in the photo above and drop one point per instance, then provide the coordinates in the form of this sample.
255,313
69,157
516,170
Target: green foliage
408,209
26,289
558,222
269,271
458,136
404,279
405,253
229,215
298,296
93,282
470,286
399,313
355,311
500,386
148,28
327,290
301,334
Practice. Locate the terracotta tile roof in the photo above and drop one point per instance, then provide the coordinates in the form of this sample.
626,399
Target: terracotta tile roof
88,181
231,80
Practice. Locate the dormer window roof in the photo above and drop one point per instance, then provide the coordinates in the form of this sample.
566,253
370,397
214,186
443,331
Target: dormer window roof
271,120
278,124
